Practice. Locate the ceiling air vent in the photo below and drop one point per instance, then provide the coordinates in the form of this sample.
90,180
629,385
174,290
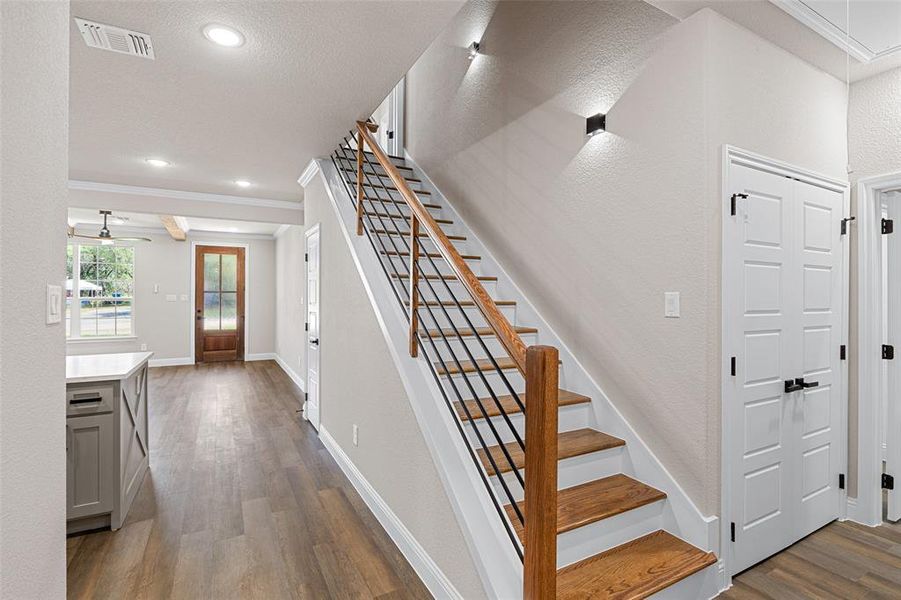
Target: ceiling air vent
115,39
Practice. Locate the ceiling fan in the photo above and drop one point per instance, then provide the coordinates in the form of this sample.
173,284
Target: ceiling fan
105,236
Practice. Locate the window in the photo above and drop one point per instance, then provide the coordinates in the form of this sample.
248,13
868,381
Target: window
99,301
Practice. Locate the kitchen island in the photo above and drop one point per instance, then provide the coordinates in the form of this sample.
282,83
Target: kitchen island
107,446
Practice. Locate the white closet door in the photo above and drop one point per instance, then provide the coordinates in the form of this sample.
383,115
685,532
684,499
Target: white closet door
893,367
760,246
817,435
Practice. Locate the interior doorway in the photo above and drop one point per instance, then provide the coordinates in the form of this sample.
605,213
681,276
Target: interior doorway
879,391
785,309
311,406
219,303
389,116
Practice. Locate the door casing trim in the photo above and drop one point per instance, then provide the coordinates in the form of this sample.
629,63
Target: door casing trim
193,297
867,507
732,155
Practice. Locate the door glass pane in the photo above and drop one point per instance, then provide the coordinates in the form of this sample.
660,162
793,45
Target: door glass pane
211,273
229,310
229,273
211,311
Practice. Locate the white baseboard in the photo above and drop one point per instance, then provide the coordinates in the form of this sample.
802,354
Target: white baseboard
171,362
297,379
260,356
430,573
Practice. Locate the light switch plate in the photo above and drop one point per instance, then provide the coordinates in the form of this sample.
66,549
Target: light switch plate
171,297
54,304
184,297
671,307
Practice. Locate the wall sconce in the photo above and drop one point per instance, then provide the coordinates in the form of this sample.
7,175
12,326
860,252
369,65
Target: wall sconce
473,50
595,124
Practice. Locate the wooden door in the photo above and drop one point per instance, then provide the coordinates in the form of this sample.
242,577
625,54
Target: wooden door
218,303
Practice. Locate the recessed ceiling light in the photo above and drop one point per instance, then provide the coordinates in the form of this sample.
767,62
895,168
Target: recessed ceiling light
157,162
242,183
222,35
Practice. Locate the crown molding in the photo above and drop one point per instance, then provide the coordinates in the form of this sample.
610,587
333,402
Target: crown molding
134,190
307,176
281,229
826,28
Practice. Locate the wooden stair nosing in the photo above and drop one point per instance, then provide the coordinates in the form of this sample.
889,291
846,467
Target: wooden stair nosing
446,277
480,364
480,331
403,217
458,238
463,303
406,254
354,150
569,445
509,404
594,501
634,570
391,187
374,174
402,203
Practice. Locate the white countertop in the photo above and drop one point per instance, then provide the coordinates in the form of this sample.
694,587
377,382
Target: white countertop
104,367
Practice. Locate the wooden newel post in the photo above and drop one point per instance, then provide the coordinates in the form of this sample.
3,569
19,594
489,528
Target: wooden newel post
540,552
414,284
360,183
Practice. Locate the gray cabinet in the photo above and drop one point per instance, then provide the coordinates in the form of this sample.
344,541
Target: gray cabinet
90,465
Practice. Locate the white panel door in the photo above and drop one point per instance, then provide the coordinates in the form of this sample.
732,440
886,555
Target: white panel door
766,355
784,249
893,367
311,407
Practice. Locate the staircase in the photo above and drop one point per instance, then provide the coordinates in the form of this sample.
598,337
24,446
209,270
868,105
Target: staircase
566,491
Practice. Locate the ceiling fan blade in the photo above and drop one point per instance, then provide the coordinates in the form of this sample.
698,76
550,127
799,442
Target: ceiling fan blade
87,237
130,239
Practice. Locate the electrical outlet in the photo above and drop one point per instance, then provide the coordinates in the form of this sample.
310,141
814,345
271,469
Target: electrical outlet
356,435
143,347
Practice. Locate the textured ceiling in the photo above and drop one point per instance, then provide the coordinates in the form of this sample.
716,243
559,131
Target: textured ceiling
258,112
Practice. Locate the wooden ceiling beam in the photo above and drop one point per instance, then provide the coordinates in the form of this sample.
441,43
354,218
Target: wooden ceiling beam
174,228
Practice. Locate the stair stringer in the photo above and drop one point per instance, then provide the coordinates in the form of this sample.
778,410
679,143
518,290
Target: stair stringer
681,517
500,569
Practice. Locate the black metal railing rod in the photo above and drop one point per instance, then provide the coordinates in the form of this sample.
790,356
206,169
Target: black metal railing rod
494,431
465,346
496,434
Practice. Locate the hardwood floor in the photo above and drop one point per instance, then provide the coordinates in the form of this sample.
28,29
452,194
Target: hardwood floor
241,501
842,561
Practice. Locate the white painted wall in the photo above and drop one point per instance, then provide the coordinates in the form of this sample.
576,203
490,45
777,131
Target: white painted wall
595,230
166,326
34,90
360,385
874,148
290,304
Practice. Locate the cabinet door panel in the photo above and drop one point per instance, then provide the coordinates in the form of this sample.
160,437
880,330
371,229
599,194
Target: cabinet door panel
90,466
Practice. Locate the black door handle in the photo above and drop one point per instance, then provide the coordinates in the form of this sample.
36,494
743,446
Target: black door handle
792,385
315,341
808,384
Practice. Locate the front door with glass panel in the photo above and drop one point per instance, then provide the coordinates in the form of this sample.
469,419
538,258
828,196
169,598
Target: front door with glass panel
219,303
784,311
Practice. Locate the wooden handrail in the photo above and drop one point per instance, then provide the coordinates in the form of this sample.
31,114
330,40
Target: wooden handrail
540,539
505,332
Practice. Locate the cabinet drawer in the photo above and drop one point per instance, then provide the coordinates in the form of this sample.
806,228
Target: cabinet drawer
89,399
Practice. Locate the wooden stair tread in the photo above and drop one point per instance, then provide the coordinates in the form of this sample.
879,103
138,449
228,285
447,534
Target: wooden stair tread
459,238
365,172
593,501
429,254
466,303
467,332
391,187
510,406
446,277
403,203
391,156
569,444
403,217
633,570
480,364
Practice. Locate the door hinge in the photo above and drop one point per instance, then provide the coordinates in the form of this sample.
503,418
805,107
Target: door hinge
306,257
888,226
845,224
306,326
841,481
732,531
735,198
732,368
888,352
888,482
390,135
842,352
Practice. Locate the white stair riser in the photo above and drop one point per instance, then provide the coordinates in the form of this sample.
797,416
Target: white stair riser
571,471
444,316
453,289
492,345
402,264
483,383
576,416
591,539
